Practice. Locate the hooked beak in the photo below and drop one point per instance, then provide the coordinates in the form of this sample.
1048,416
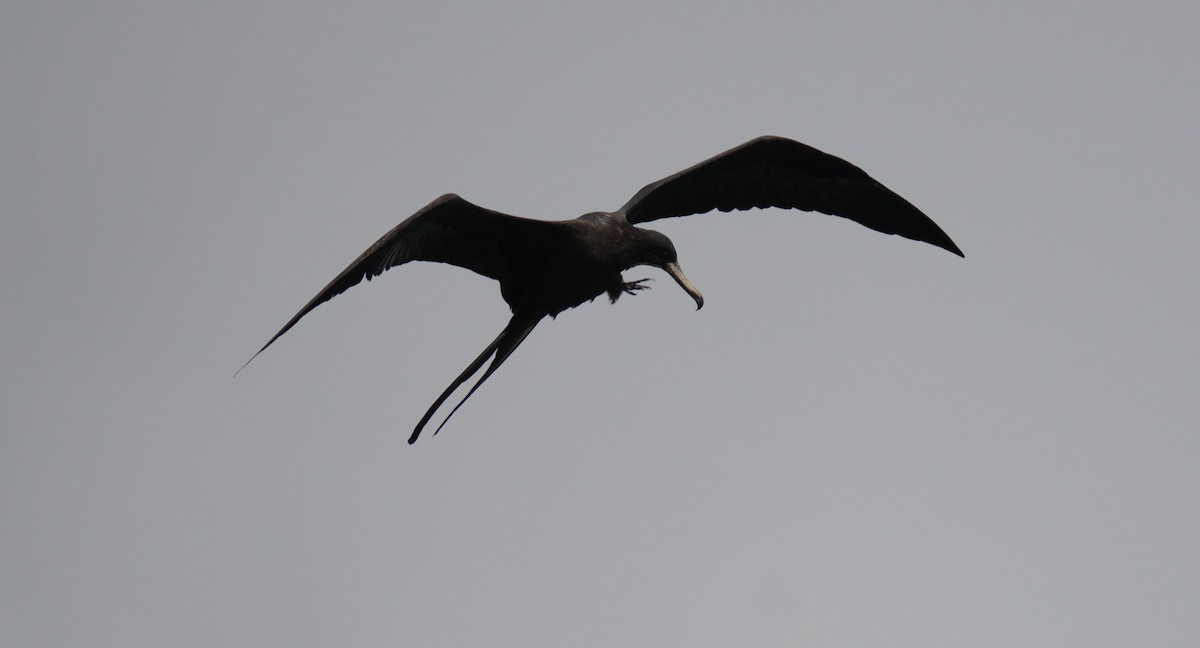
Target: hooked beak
677,274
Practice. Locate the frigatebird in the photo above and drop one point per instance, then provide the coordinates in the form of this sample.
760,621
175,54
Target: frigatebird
546,267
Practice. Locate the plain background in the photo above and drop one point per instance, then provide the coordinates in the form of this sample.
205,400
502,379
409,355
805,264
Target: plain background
859,441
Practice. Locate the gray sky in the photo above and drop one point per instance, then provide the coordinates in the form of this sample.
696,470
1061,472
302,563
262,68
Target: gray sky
860,441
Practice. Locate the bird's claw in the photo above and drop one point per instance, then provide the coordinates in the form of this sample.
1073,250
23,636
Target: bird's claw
634,287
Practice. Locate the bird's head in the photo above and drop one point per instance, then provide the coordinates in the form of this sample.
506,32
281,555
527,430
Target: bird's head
657,250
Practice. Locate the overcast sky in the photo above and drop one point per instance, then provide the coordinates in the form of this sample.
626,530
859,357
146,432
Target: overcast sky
860,440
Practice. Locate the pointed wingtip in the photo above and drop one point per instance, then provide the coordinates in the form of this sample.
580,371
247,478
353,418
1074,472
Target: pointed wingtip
256,354
941,239
235,374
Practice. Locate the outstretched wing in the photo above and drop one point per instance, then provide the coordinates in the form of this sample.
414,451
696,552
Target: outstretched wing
447,230
778,172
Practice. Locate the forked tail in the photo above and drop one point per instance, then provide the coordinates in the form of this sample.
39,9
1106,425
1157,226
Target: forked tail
509,339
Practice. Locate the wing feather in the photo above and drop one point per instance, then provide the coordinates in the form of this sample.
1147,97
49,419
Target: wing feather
778,172
447,230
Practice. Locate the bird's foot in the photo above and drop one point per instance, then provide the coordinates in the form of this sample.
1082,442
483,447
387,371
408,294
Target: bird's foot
634,287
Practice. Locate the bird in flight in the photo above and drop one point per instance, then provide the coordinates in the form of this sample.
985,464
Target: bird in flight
546,267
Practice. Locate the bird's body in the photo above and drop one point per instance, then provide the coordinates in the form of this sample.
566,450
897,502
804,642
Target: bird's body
546,267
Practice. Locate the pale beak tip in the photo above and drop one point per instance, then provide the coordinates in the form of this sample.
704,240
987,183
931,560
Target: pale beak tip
677,274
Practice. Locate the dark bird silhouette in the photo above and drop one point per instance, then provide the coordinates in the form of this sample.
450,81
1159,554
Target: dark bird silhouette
546,267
